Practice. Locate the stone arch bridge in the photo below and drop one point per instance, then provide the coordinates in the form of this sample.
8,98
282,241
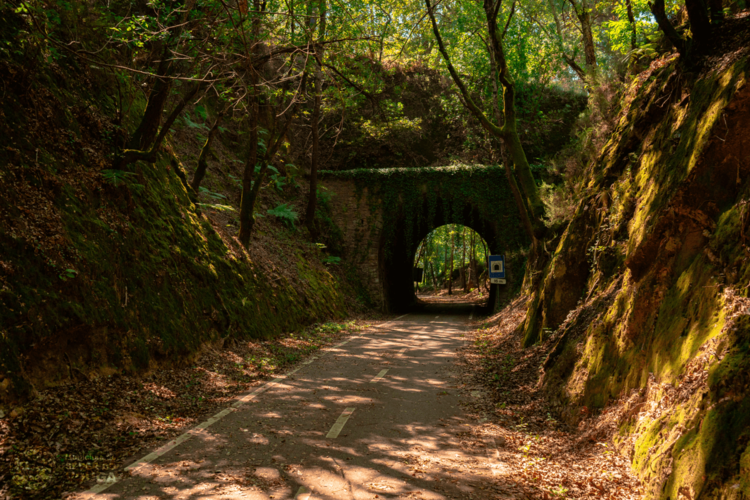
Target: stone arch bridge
381,215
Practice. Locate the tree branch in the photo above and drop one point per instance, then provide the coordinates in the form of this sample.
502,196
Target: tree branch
657,9
491,127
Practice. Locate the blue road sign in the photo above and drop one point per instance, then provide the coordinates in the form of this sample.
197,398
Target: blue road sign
497,266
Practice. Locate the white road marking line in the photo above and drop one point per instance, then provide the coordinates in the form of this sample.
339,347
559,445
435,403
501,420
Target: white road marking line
303,494
200,428
379,375
334,432
197,430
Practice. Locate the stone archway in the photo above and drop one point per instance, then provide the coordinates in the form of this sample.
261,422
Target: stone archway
383,214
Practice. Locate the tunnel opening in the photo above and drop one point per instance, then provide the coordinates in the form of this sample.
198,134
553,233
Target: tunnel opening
450,267
399,251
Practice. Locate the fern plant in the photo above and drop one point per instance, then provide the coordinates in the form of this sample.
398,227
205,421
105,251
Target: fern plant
285,213
117,177
211,194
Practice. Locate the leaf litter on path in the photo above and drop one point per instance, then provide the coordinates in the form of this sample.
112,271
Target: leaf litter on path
73,434
537,456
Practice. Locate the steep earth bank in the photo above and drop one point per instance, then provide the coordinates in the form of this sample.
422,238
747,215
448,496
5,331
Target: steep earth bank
656,318
104,271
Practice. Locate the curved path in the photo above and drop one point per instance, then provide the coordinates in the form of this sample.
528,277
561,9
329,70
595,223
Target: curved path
377,416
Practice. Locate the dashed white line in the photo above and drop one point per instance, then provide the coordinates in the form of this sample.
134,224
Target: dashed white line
200,428
340,423
379,375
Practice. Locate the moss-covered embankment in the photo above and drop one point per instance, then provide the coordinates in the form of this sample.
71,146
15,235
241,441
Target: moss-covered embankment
103,271
657,315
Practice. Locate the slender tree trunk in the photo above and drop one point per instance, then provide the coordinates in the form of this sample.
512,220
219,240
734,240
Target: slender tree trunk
144,135
700,24
508,132
250,196
589,50
633,28
486,266
533,213
445,262
450,275
312,201
473,260
129,156
658,10
200,170
247,202
246,206
717,10
463,259
506,160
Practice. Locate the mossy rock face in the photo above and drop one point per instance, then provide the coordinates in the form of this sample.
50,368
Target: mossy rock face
667,317
99,275
566,275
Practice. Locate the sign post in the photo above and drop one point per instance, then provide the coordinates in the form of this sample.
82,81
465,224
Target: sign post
497,269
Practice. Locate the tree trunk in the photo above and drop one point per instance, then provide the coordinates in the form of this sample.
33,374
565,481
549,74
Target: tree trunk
700,24
717,10
657,9
157,99
473,261
486,265
247,202
463,259
633,28
129,156
589,50
250,195
315,121
445,262
508,132
246,206
450,275
200,170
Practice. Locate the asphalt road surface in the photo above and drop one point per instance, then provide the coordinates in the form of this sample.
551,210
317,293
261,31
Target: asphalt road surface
378,416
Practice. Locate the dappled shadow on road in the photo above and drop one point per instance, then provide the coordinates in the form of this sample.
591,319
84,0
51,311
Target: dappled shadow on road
459,303
406,436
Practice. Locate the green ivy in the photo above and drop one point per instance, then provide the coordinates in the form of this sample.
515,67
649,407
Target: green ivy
408,195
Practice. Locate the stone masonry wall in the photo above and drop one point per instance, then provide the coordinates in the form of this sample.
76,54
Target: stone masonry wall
359,217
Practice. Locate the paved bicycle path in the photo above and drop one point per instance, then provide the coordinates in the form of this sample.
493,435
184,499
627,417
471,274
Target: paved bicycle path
376,417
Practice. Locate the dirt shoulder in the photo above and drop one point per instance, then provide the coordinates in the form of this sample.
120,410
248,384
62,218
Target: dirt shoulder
72,434
541,457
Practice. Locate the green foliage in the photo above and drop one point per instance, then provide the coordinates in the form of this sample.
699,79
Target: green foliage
211,194
285,213
216,206
117,177
419,197
68,274
190,123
